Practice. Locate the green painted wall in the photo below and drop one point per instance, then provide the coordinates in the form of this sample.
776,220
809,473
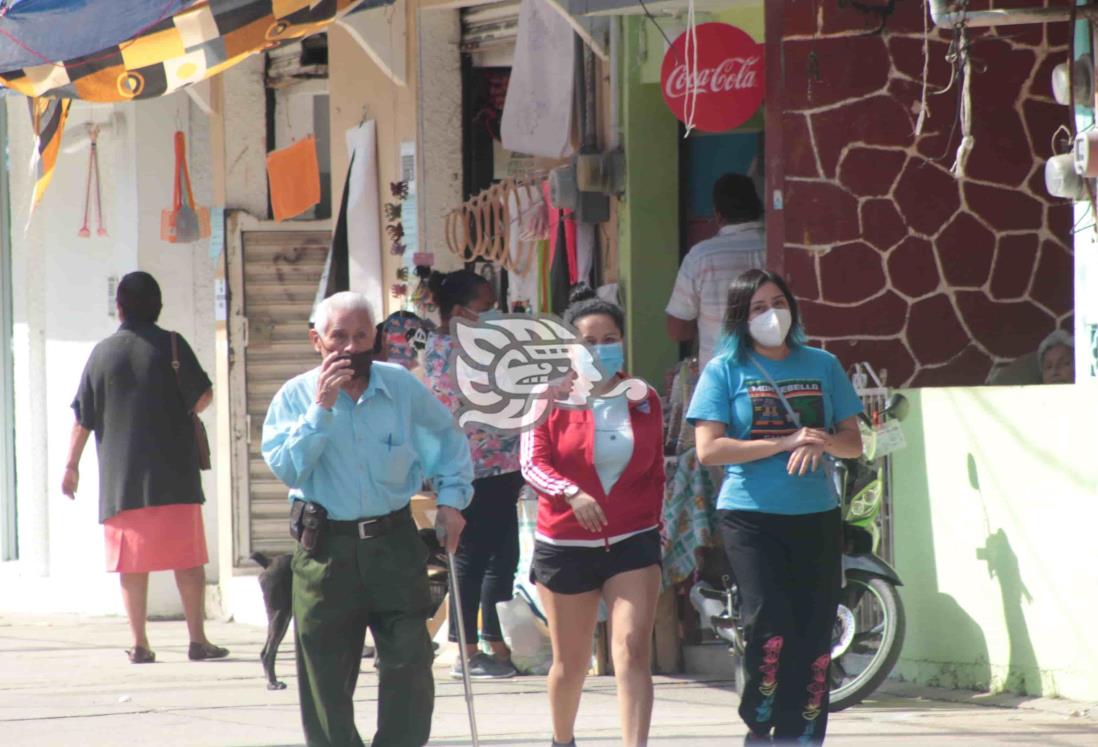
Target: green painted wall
648,217
996,510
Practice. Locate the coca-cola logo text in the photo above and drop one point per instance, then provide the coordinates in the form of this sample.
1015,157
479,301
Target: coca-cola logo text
733,74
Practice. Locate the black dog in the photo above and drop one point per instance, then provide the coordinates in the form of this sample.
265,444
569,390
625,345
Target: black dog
276,582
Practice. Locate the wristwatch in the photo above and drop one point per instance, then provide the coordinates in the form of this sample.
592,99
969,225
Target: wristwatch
570,492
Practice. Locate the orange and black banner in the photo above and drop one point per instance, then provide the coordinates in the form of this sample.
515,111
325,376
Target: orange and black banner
48,117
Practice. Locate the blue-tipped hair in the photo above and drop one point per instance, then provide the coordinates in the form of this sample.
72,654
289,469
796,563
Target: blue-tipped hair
735,340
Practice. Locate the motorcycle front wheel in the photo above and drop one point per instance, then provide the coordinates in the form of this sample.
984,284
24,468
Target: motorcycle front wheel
868,636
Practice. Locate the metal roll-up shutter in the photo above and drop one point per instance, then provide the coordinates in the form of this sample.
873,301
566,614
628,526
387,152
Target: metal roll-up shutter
488,33
282,270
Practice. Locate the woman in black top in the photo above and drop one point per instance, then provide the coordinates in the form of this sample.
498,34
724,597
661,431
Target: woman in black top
136,394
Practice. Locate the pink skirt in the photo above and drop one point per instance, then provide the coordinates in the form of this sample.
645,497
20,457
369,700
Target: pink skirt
157,538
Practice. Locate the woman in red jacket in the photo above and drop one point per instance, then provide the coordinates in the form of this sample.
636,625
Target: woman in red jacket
598,473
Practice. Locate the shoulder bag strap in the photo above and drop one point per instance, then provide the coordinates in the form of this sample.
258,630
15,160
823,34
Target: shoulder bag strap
175,361
793,415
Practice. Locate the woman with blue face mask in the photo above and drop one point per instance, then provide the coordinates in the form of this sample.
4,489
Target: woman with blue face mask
487,557
771,409
598,472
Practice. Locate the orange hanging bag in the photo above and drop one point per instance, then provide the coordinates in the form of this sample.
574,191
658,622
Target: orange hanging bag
183,222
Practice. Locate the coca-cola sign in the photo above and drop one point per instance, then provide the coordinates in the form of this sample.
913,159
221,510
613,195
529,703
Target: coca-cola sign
727,81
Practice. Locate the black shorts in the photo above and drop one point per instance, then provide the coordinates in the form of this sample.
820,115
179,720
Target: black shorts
576,570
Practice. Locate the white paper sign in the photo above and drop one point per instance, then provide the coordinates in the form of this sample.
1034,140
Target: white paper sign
221,301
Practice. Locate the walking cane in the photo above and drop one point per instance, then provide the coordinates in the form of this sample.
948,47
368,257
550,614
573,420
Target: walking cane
440,531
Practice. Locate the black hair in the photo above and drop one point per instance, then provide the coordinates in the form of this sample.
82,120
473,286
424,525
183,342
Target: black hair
138,296
583,301
735,339
735,199
450,289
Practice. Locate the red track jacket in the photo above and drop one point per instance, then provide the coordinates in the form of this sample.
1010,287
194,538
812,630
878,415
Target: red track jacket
560,452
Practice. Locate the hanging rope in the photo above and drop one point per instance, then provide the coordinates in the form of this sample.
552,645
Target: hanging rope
691,62
921,120
959,57
967,140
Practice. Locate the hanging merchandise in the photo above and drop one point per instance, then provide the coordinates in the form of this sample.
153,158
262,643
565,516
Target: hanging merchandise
394,213
712,77
564,240
538,113
183,222
48,122
293,175
560,280
482,227
89,192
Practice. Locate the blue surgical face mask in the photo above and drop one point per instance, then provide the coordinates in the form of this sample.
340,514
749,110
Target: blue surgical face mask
488,315
611,357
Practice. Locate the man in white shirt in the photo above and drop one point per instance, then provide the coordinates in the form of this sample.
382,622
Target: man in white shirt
697,304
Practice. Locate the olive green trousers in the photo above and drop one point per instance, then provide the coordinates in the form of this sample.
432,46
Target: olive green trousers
349,585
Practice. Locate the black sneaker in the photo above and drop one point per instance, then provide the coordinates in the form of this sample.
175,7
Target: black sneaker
484,667
564,744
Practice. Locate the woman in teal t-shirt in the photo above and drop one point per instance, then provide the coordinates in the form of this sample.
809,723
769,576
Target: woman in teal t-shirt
771,409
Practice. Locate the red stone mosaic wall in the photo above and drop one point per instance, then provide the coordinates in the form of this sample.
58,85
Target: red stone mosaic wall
894,260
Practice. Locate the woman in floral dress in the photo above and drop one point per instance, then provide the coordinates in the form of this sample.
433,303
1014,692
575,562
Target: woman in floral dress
487,558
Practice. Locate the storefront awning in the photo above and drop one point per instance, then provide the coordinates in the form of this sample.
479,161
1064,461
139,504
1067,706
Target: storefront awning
121,50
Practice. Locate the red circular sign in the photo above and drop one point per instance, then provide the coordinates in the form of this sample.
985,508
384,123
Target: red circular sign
728,79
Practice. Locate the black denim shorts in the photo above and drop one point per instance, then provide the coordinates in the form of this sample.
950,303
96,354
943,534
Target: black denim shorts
576,570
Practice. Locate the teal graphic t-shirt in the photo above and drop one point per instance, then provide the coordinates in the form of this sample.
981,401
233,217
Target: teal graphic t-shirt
739,395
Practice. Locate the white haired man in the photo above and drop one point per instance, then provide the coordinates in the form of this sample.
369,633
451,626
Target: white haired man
354,440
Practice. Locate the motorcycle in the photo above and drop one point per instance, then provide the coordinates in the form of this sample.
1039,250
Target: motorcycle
869,624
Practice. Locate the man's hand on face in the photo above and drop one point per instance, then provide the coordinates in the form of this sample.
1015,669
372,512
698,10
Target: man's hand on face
335,371
452,523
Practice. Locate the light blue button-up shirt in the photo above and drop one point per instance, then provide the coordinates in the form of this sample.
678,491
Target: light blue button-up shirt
366,458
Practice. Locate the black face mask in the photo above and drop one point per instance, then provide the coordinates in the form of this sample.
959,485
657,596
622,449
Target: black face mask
360,363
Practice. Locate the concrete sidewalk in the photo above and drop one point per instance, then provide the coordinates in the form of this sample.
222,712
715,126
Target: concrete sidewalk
64,680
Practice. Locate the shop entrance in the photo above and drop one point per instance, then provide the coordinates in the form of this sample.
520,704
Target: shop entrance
274,274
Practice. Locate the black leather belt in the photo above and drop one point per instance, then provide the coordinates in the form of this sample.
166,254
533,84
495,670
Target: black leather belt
373,527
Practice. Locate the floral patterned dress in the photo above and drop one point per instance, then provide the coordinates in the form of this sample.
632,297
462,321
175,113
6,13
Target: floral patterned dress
493,454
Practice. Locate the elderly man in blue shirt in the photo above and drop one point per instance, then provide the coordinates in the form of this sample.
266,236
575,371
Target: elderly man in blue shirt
360,445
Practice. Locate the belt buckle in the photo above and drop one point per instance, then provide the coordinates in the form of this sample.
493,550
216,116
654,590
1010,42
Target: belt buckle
362,529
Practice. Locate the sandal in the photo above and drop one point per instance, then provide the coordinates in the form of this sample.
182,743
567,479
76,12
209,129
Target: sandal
141,655
203,651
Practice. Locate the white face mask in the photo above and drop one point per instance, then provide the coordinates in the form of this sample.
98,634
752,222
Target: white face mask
770,328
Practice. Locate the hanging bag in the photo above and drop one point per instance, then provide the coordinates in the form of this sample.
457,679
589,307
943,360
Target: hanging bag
183,222
201,440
